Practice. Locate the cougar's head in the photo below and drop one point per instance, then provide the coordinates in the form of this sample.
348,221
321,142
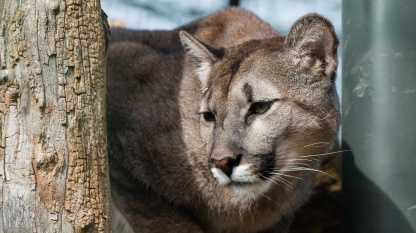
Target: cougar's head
268,105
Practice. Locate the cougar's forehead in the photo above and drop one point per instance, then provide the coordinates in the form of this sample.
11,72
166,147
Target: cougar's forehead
238,72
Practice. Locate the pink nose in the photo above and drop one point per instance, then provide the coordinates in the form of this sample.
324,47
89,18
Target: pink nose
225,164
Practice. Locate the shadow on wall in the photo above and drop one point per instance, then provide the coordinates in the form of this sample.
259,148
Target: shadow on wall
366,208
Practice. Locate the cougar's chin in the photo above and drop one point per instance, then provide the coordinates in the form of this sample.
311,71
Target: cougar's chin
249,190
242,182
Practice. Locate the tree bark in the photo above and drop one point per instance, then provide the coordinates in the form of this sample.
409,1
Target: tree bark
53,156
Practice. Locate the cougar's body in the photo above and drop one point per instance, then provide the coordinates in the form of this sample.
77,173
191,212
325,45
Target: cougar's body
216,137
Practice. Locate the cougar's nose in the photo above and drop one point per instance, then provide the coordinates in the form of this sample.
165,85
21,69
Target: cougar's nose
226,164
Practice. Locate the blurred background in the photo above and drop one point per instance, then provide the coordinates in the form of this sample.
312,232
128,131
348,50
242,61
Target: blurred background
322,214
169,14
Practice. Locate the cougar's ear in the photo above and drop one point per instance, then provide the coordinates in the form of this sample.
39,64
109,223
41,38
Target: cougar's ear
312,43
202,55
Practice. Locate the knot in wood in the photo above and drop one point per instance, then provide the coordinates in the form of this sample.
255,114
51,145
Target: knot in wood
4,74
54,6
13,95
40,162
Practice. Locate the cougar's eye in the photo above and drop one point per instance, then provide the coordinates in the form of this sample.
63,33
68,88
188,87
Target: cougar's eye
260,107
208,116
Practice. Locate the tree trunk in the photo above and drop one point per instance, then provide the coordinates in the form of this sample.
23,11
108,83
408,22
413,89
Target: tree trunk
53,156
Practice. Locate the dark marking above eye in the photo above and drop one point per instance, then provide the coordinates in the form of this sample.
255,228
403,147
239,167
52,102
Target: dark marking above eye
248,91
209,97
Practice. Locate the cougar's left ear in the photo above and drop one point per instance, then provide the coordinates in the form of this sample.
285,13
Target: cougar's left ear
312,43
202,55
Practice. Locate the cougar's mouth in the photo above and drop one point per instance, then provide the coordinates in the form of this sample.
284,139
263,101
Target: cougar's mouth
240,175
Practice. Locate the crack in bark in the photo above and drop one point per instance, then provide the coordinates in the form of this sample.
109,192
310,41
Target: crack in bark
2,204
36,204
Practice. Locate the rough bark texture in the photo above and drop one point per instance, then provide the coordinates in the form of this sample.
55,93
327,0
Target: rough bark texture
53,158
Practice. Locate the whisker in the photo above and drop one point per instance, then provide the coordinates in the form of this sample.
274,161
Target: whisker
330,153
328,114
293,159
290,184
268,179
280,158
313,144
281,174
282,153
309,160
309,169
294,148
299,164
269,199
194,148
276,178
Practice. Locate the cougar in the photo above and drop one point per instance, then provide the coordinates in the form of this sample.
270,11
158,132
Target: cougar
217,126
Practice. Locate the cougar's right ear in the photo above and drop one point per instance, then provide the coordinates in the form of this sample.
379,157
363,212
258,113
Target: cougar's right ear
313,42
202,55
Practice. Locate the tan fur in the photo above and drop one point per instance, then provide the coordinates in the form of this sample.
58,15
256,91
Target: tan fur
161,148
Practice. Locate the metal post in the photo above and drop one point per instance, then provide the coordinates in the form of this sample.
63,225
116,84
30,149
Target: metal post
379,116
